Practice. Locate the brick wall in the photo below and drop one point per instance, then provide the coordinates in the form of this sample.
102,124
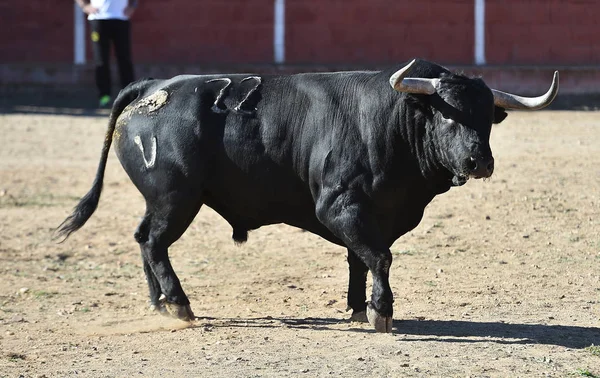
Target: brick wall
379,30
180,31
543,32
36,31
520,32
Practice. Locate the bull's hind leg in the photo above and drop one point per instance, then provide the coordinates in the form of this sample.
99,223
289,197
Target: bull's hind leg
165,221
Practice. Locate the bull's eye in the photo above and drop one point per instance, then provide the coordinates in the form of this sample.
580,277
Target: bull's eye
447,121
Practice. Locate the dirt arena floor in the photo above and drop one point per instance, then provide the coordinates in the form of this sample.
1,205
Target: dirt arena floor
500,279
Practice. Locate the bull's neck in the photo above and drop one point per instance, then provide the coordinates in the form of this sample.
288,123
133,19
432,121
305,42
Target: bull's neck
415,139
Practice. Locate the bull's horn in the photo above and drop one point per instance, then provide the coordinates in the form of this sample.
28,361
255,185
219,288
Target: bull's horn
412,84
511,101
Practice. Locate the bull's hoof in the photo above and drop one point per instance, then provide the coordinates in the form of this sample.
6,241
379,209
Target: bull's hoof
380,323
360,317
160,308
181,312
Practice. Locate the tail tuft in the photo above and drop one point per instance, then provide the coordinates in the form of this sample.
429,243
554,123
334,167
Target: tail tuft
88,204
81,213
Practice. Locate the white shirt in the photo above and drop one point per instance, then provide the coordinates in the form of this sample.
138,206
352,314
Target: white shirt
108,9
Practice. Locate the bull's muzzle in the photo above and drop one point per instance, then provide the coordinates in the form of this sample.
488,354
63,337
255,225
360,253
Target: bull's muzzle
480,167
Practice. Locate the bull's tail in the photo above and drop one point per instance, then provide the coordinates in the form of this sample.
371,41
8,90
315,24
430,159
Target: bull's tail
88,204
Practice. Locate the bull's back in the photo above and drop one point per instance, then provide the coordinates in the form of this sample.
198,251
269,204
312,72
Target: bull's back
245,165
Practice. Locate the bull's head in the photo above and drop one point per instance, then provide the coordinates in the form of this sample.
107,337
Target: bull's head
465,110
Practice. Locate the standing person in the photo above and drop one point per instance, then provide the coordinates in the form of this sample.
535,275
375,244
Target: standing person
109,22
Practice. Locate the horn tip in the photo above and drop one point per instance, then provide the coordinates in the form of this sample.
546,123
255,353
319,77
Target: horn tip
412,63
394,78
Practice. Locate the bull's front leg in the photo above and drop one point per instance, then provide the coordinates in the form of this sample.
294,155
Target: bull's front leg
352,222
357,286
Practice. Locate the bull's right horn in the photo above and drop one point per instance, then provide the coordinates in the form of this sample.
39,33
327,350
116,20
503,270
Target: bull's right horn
512,101
412,84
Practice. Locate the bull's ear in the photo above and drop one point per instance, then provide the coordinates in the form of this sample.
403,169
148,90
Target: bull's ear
499,114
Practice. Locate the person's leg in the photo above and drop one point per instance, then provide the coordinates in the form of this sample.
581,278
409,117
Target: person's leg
101,49
122,41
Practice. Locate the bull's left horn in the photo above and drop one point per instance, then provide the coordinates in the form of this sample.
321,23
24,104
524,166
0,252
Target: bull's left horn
511,101
412,84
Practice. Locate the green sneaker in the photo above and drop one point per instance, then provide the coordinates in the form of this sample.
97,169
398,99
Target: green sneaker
105,101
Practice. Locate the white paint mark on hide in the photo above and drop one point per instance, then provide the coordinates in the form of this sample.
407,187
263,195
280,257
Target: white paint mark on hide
138,142
218,105
258,82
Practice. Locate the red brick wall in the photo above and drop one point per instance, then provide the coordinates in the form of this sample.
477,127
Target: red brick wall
36,31
376,31
543,32
192,31
320,31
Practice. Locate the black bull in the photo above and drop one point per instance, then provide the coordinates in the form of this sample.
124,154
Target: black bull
343,155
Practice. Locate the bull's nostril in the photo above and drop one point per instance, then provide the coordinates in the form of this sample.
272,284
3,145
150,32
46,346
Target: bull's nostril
481,167
471,164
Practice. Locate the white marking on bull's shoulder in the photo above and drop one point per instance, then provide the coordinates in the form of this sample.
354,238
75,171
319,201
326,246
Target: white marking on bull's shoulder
138,141
258,83
257,78
222,93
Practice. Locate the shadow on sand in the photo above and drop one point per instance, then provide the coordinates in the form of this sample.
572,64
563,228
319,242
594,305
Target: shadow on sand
52,110
434,330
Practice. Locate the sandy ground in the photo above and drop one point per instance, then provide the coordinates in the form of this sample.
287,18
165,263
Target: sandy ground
500,279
